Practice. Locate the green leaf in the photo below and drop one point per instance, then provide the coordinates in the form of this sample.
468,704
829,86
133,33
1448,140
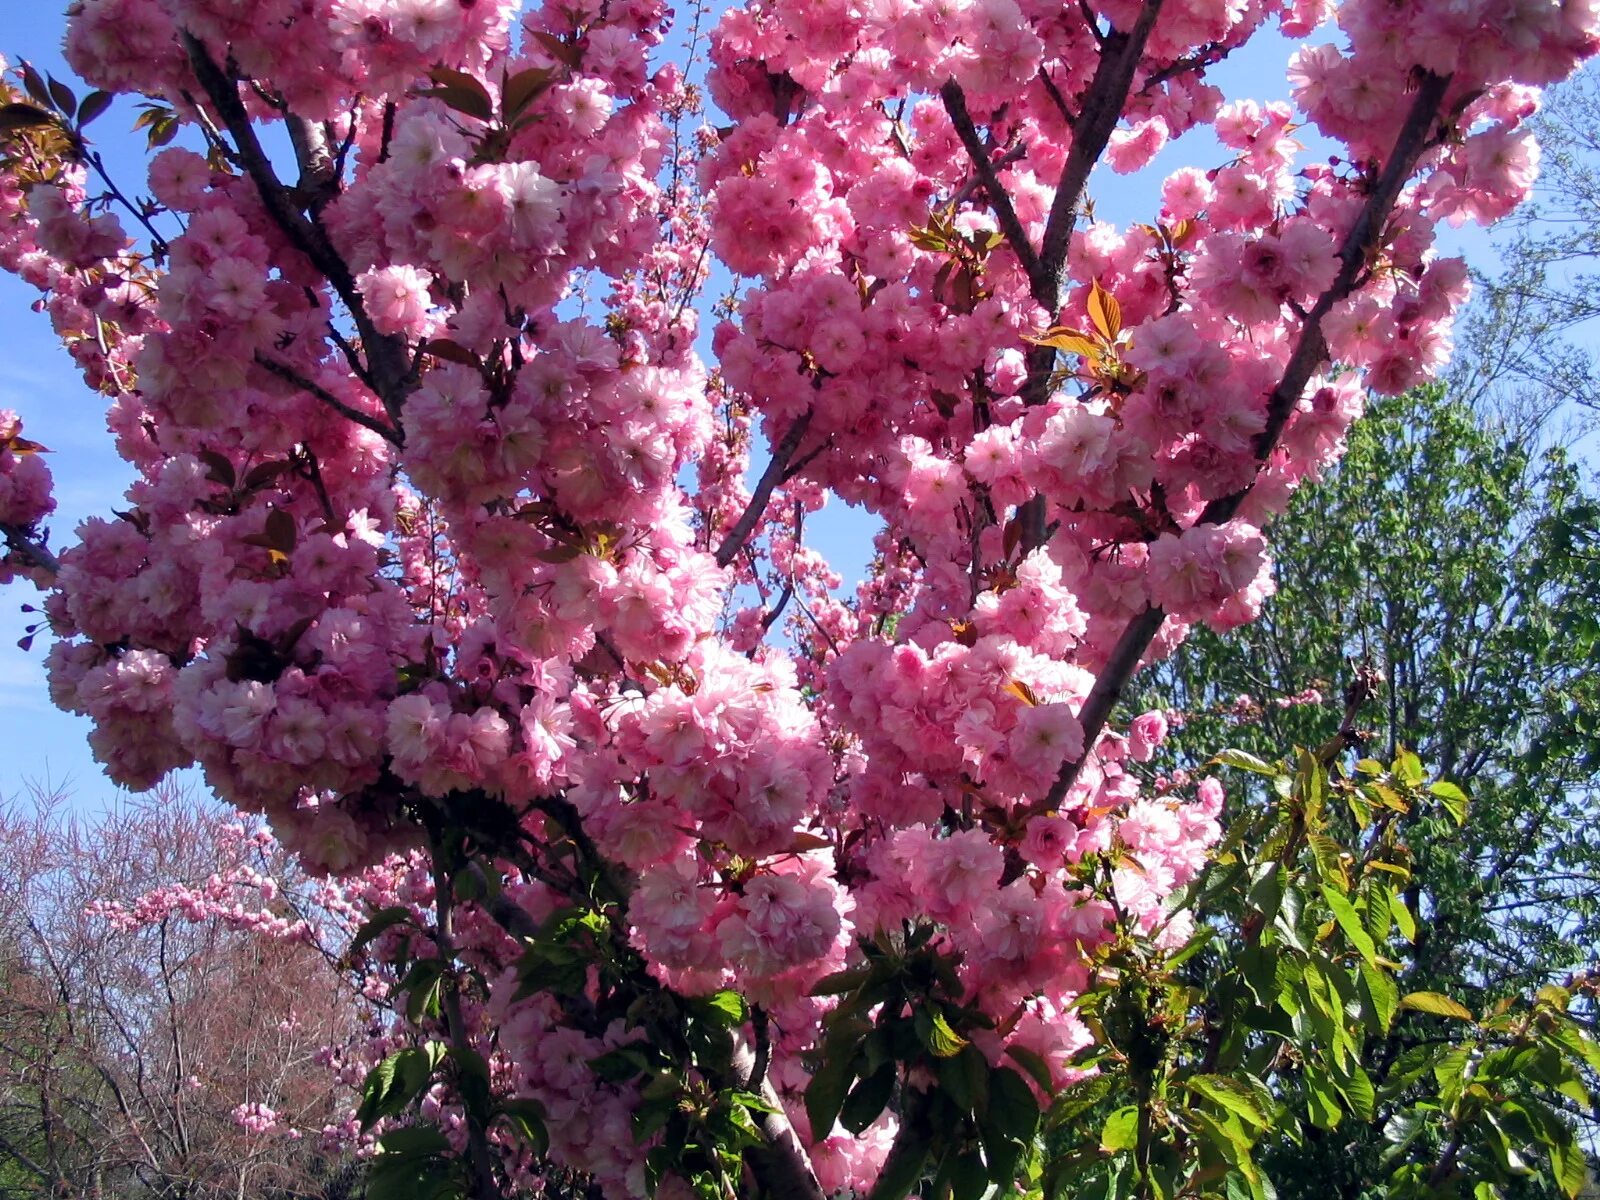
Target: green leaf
1077,1100
378,1084
1350,922
414,1140
1329,856
1238,1098
461,92
522,89
1321,1103
1225,1133
1453,799
1577,1043
94,104
969,1177
413,1177
903,1169
1359,1092
1121,1130
1570,1167
965,1078
623,1063
1436,1004
936,1034
453,352
1245,761
17,116
1035,1065
727,1007
1266,889
527,1120
1376,917
1000,1151
840,982
1382,993
1555,995
868,1098
35,85
423,987
1202,938
383,919
1311,782
1408,768
396,1081
472,1080
1403,918
1012,1104
755,1102
1450,1072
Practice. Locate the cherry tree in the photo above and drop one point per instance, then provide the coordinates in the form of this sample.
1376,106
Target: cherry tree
452,554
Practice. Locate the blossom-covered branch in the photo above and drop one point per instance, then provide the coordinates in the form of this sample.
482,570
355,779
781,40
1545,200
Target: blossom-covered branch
528,657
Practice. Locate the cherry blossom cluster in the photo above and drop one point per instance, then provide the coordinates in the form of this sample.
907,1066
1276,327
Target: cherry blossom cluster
443,522
25,498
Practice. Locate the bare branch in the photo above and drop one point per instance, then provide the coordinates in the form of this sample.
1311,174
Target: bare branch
1102,108
1056,98
30,551
289,375
485,1185
386,353
955,103
770,478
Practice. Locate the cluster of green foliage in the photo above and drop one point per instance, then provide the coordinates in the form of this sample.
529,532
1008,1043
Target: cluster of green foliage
1280,1030
1461,565
701,1103
1452,563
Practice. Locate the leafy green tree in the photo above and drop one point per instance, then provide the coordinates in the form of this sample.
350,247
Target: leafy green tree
1277,1052
1461,566
1449,568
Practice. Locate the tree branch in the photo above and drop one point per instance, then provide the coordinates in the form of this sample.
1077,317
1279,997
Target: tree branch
485,1186
386,353
1310,352
1108,685
31,552
15,1153
1102,108
955,103
289,375
770,478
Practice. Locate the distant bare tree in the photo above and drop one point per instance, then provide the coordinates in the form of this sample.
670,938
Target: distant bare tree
172,1027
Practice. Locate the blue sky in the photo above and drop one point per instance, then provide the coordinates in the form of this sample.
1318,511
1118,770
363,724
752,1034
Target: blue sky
45,746
38,381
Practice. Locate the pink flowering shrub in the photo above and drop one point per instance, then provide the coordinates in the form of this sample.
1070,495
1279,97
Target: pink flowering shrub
449,552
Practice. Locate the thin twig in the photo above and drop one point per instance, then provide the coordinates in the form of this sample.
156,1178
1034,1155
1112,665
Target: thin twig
289,375
1056,98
